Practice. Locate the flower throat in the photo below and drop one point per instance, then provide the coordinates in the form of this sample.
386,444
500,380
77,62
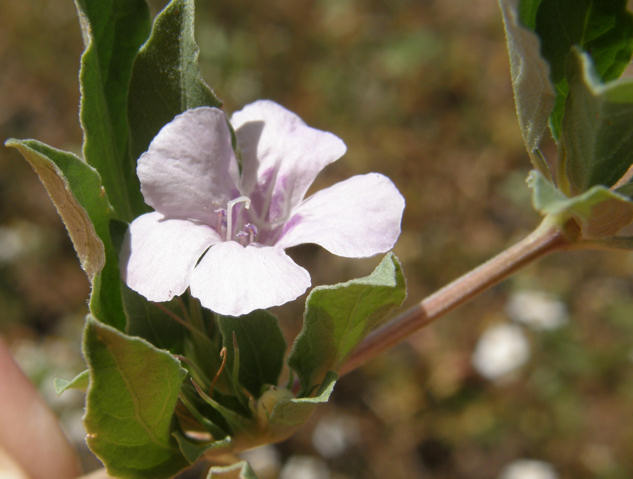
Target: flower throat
235,232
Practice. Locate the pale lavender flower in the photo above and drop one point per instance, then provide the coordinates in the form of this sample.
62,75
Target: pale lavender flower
222,232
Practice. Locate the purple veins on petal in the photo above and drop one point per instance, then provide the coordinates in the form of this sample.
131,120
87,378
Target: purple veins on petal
222,233
291,223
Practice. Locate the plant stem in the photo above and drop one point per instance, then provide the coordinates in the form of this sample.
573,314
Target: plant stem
547,238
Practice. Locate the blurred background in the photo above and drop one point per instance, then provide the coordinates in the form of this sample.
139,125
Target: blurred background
533,377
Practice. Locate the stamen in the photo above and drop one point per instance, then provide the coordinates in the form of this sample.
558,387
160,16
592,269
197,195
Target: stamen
220,219
247,234
229,213
242,238
251,229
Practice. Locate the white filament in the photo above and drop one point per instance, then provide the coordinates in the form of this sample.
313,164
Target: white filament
229,213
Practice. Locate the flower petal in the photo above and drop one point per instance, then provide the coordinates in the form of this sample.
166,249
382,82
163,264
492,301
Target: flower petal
355,218
281,157
234,280
159,254
189,169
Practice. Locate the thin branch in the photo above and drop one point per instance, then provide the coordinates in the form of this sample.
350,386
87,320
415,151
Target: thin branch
543,240
223,357
174,316
190,327
183,308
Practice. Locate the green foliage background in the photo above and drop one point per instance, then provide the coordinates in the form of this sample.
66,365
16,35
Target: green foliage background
419,91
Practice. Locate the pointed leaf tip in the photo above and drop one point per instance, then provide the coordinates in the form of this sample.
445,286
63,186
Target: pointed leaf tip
166,79
84,207
338,317
78,382
71,196
113,32
533,91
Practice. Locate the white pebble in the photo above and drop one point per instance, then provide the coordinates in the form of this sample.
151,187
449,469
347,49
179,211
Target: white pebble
305,467
501,349
528,469
538,310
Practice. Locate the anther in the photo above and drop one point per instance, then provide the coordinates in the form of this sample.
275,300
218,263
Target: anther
220,219
251,229
242,238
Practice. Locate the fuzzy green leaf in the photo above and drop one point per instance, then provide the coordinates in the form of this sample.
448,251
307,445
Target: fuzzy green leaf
74,187
261,348
599,211
602,28
151,321
80,382
338,317
597,132
166,79
533,92
113,31
192,450
528,10
288,413
76,191
130,404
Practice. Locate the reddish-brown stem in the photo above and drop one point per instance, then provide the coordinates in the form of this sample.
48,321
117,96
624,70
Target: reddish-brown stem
173,316
223,357
542,241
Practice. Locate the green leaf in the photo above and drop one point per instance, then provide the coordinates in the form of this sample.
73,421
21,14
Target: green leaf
597,129
240,470
130,404
151,321
288,414
66,177
338,317
239,424
533,91
80,382
76,191
261,348
527,12
546,198
166,79
602,28
188,398
278,414
599,211
113,31
192,450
